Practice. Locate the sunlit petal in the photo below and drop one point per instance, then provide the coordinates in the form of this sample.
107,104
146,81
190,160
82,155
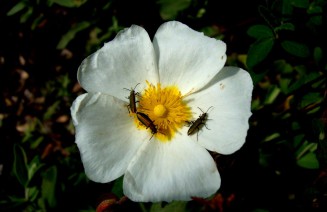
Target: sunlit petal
170,171
187,58
229,95
122,63
105,135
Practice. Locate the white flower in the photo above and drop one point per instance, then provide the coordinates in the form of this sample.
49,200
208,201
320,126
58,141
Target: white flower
178,74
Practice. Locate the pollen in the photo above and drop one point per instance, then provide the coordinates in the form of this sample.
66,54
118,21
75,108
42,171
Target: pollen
166,109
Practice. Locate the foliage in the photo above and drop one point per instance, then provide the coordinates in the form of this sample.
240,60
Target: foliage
282,166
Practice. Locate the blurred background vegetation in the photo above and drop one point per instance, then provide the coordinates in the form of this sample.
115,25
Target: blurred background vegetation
282,166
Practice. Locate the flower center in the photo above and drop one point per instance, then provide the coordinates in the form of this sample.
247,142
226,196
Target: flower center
160,110
165,108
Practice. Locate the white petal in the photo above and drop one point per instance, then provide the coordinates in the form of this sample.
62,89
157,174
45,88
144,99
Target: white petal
105,135
187,58
122,63
176,170
229,94
75,108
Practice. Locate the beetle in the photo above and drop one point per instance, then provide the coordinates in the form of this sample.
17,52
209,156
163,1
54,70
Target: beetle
147,122
195,125
132,100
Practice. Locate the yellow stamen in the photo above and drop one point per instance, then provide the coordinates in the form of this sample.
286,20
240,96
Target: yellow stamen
166,108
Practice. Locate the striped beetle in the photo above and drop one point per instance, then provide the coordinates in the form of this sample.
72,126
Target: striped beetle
147,122
132,100
195,125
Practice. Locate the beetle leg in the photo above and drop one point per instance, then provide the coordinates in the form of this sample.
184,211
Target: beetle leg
189,123
206,126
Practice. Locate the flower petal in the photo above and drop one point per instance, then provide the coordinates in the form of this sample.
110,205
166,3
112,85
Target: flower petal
187,58
122,63
105,135
176,170
229,94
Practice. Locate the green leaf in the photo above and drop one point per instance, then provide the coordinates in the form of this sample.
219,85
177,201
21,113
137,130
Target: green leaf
303,78
258,51
176,206
26,15
16,200
32,193
272,137
301,3
315,12
69,3
117,188
66,38
260,210
260,31
272,94
306,156
17,8
213,31
284,84
309,161
201,13
285,69
322,145
317,54
285,26
298,139
257,77
287,8
295,48
51,110
37,21
281,66
314,9
20,165
33,167
7,204
311,98
48,189
255,105
35,143
169,9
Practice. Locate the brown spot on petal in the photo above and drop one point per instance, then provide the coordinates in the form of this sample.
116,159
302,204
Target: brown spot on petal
222,86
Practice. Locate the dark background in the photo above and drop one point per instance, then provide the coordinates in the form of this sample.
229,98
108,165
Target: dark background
282,166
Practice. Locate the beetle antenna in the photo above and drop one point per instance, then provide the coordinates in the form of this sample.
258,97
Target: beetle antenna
136,85
209,109
201,110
